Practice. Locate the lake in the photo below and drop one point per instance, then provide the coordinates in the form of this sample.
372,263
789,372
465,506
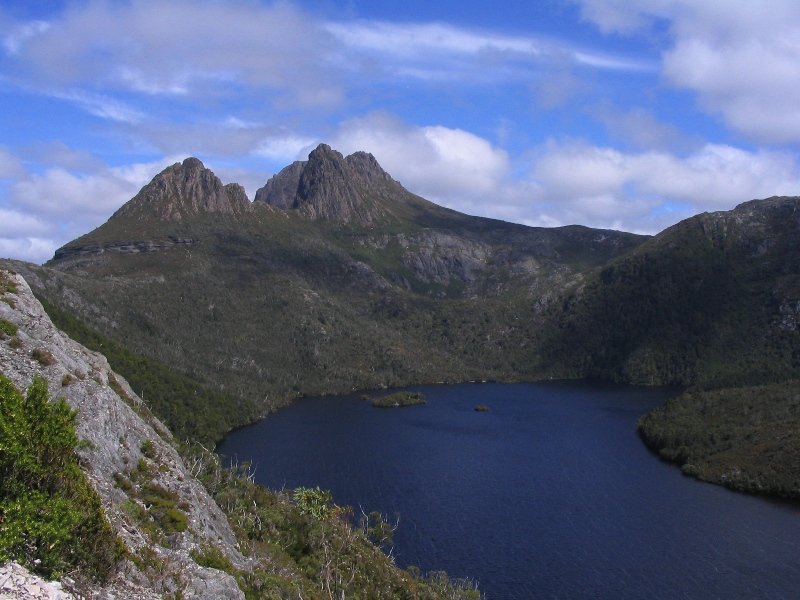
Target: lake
550,494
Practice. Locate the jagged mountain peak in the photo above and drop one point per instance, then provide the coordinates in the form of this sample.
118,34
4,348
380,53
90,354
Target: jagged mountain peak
182,190
330,186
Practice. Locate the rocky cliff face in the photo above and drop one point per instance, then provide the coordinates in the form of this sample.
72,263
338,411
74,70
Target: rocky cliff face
329,186
183,190
128,455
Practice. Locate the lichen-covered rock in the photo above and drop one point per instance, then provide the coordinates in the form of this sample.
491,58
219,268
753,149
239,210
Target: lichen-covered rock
128,456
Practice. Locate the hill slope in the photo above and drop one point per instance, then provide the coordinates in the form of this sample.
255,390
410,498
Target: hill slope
713,301
165,504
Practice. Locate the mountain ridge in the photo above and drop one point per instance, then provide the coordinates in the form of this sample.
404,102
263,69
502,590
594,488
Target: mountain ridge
290,296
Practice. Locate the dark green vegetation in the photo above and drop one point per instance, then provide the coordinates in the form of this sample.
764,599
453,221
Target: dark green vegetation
189,408
309,547
337,279
745,438
398,399
155,509
713,301
7,327
51,519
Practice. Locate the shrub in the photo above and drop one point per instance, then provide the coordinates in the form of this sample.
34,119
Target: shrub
8,328
43,357
212,557
52,518
313,501
149,449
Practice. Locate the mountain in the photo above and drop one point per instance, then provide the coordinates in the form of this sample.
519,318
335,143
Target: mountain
337,278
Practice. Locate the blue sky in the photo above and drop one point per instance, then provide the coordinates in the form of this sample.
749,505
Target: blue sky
608,113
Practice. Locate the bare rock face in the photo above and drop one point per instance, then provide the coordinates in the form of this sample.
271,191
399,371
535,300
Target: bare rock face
128,450
186,189
329,186
17,582
439,257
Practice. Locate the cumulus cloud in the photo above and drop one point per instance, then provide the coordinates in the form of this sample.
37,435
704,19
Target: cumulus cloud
16,223
60,193
646,191
437,162
570,181
31,249
742,58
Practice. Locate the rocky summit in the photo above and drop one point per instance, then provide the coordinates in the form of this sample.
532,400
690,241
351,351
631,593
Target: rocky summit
184,190
352,189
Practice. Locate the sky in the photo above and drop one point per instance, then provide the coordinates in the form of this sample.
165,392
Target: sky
622,114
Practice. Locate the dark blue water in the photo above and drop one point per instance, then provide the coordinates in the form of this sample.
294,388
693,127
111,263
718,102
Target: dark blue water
549,495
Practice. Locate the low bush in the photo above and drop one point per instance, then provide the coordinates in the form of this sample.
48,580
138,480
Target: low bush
7,327
43,357
52,519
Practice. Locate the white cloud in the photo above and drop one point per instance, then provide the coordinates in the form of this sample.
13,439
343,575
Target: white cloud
603,187
16,223
10,166
742,58
179,48
22,33
60,193
101,105
31,249
43,211
287,148
443,52
437,162
570,182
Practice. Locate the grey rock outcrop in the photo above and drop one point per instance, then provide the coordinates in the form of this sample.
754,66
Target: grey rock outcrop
17,583
122,247
331,187
122,438
186,189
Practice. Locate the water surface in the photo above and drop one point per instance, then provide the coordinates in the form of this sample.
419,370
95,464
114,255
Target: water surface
551,494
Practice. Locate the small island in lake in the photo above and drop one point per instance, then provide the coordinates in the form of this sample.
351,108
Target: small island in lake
481,408
399,399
